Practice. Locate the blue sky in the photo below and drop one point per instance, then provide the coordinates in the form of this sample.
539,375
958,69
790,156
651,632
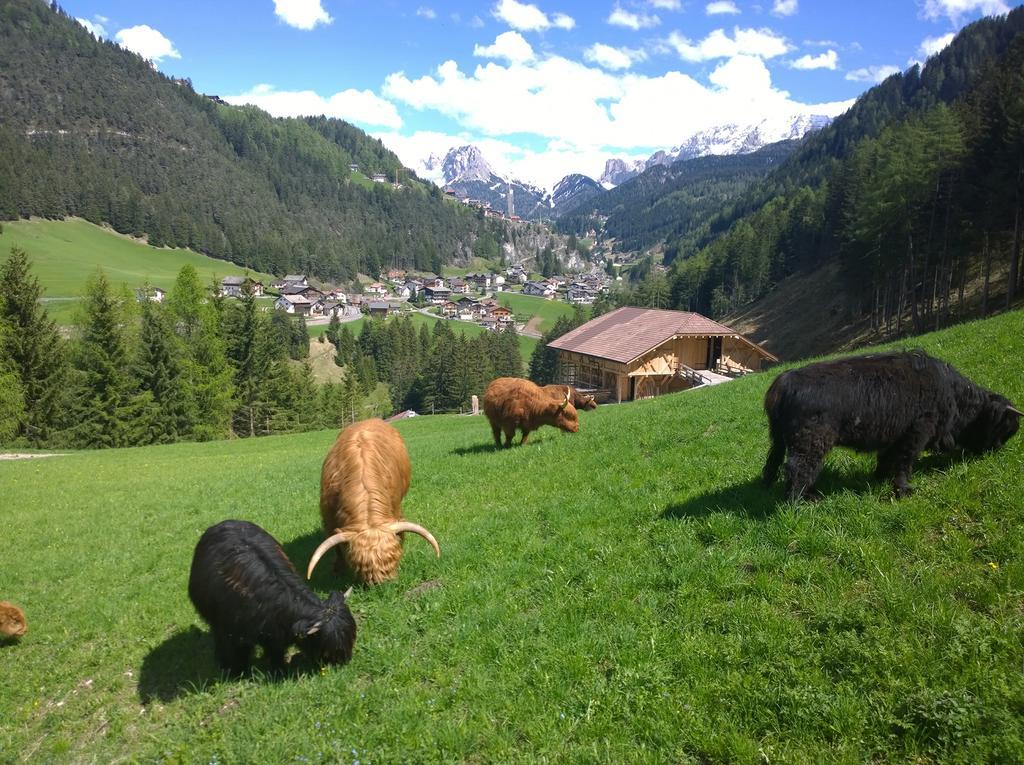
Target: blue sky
544,88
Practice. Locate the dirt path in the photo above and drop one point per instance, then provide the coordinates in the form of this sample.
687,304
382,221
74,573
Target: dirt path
532,328
24,456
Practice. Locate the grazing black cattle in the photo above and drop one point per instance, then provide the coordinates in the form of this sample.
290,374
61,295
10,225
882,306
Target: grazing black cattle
243,586
897,404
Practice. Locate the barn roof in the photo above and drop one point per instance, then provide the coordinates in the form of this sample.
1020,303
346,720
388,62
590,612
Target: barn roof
628,333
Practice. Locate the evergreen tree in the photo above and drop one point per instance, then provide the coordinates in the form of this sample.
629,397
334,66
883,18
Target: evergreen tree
104,389
186,300
12,402
165,415
33,349
250,352
210,383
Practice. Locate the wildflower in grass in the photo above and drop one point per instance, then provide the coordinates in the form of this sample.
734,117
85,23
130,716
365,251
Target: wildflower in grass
993,565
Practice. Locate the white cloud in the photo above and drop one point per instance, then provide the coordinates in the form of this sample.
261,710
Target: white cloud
510,46
666,5
957,9
147,42
579,110
821,43
622,18
872,73
827,60
718,44
361,106
95,27
720,7
613,58
426,13
301,14
932,45
529,18
784,7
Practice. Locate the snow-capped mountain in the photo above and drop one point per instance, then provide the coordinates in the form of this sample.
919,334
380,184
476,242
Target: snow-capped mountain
574,190
618,171
465,170
719,140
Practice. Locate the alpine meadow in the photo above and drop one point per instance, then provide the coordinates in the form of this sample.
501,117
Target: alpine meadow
528,381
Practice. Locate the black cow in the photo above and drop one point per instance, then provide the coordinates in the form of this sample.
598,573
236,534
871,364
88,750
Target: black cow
897,404
243,586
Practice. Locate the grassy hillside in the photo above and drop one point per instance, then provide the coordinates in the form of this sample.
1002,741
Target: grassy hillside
66,253
627,594
524,306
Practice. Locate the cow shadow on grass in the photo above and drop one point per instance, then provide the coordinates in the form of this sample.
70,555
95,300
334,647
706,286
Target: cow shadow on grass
184,664
755,500
180,665
486,448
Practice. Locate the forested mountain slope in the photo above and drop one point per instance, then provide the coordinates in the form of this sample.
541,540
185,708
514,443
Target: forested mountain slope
667,201
92,130
916,193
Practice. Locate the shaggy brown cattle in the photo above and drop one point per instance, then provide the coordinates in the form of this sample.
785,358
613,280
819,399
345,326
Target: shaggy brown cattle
579,400
364,479
12,620
512,403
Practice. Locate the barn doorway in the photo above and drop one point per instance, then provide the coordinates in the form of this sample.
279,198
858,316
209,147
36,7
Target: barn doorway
714,352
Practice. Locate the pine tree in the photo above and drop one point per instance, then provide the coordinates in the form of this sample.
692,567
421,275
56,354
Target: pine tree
34,350
165,417
104,391
250,354
12,402
210,379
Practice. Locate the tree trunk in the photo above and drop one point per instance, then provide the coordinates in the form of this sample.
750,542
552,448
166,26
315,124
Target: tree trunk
1011,281
988,273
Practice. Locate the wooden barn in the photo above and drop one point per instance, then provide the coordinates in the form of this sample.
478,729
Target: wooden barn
635,353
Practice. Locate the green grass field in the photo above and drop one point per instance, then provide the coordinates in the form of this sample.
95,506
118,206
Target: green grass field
65,254
524,306
630,593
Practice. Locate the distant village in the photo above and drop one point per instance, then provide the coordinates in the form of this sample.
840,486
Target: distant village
467,298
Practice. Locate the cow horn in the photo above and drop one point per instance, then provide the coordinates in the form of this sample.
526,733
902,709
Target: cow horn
399,526
568,395
327,544
348,593
1015,410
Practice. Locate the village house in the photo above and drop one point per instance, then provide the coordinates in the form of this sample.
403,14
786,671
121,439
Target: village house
326,306
396,275
234,286
380,178
381,309
413,287
291,280
436,295
458,286
502,315
432,280
312,294
539,289
450,309
635,353
299,305
376,289
480,281
580,294
153,294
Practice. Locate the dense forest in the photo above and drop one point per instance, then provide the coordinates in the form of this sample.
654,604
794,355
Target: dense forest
667,202
91,130
917,191
200,367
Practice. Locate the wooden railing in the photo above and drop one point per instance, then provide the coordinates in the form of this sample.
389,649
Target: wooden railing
692,376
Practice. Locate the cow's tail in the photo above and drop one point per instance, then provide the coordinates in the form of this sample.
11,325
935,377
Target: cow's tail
777,452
